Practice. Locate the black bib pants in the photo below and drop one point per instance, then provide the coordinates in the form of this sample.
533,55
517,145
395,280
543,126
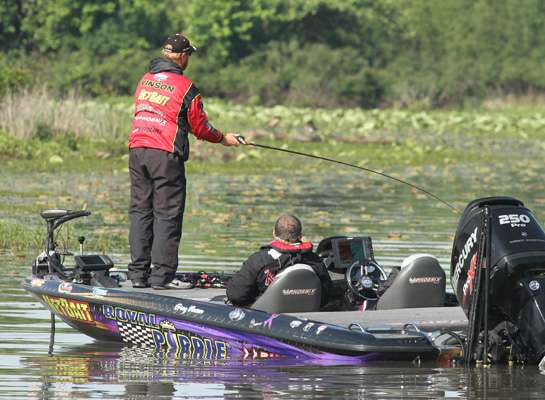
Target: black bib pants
156,209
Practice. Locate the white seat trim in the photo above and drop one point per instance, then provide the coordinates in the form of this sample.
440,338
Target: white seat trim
409,260
295,267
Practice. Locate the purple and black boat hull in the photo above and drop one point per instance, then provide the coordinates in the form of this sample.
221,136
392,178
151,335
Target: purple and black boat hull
190,328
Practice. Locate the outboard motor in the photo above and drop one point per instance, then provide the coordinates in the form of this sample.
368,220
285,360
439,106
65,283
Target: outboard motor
498,275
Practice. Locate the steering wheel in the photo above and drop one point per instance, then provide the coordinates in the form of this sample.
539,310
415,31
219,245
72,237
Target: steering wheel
363,279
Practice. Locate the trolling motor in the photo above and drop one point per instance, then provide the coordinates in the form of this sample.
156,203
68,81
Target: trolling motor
49,262
89,270
498,275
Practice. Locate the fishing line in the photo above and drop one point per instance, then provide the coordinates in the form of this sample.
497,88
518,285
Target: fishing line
332,160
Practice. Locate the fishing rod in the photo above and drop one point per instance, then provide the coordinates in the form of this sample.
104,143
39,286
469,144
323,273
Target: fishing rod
243,141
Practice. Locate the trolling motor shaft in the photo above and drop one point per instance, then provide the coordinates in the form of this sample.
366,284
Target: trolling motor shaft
81,240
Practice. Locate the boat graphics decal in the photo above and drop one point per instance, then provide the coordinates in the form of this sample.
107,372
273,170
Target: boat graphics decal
179,343
320,329
269,321
219,333
37,282
464,254
65,287
149,330
192,309
121,314
237,315
254,323
98,291
190,345
295,324
167,325
257,353
73,309
307,327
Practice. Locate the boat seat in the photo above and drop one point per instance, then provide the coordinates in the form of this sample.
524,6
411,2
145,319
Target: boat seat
419,283
295,289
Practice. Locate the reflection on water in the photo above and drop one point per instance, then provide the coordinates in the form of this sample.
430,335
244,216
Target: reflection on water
88,371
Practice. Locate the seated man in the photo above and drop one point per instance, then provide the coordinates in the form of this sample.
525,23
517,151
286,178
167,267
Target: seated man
287,249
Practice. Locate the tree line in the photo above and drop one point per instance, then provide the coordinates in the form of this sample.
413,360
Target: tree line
365,53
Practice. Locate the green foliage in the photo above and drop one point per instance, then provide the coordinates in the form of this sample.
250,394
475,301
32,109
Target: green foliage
455,49
51,147
420,132
98,75
312,75
101,26
235,29
319,53
10,23
18,237
365,53
21,149
13,76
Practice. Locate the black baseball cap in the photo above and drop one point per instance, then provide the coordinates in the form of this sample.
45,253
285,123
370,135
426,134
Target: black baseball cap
178,43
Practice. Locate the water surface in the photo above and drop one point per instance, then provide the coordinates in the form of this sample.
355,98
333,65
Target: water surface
227,218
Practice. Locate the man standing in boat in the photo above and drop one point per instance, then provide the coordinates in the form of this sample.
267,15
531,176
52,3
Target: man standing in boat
287,249
167,106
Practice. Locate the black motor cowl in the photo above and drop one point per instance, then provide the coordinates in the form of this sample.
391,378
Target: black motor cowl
501,236
517,249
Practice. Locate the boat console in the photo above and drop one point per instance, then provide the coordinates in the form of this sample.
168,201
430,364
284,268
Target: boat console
348,250
354,258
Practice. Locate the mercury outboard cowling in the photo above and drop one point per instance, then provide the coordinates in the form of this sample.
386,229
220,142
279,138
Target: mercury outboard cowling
498,275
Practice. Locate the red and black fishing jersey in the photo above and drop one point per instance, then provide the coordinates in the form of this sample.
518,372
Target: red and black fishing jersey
167,106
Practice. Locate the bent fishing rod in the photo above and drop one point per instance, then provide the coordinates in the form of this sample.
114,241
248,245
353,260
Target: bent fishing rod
243,141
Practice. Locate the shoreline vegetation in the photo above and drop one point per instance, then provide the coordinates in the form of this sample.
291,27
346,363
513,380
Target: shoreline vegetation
42,134
39,130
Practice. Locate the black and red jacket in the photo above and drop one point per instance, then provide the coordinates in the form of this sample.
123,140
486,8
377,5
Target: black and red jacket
167,105
259,270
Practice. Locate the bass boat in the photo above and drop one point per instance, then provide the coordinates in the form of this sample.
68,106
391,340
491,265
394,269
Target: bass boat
494,314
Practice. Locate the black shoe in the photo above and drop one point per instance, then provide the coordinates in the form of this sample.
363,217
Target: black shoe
160,286
175,284
139,284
